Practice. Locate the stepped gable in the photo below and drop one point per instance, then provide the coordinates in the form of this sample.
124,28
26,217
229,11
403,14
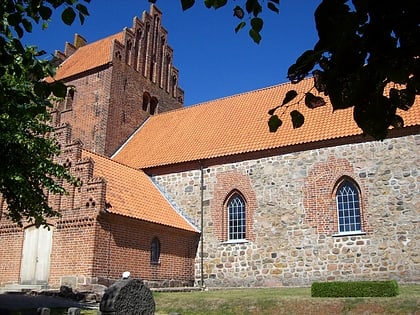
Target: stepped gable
131,193
143,46
238,124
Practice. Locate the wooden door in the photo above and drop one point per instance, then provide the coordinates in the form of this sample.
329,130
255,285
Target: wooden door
36,253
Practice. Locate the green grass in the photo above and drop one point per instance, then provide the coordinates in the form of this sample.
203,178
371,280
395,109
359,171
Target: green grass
355,289
282,301
293,301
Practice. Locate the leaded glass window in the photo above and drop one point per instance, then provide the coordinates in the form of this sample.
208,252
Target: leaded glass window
236,218
348,207
155,251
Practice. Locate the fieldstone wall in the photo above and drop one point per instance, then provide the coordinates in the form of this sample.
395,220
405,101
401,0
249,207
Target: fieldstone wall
295,239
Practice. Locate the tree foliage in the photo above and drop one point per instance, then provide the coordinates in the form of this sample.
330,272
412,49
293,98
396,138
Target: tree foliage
28,172
367,57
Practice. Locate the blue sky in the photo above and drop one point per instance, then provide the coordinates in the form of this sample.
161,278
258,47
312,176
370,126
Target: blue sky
213,60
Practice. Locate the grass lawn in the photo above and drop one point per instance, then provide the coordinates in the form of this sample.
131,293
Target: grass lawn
268,301
283,301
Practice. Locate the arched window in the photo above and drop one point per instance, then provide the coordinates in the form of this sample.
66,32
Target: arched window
69,99
153,104
348,207
146,100
155,251
236,218
174,85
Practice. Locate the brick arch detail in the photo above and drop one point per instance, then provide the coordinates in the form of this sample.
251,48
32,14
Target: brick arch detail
228,183
319,195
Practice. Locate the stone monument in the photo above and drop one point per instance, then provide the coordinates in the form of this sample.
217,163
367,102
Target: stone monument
127,297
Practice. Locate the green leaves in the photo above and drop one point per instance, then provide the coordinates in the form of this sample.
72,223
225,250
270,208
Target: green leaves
257,24
186,4
256,27
274,123
82,12
363,50
31,173
402,99
252,7
238,12
313,101
273,5
58,89
213,3
290,96
240,26
304,64
297,119
45,12
255,35
68,16
397,122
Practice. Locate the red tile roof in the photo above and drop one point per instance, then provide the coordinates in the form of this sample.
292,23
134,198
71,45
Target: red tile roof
131,193
88,57
235,125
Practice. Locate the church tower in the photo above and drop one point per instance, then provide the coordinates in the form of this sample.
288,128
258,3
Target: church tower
117,82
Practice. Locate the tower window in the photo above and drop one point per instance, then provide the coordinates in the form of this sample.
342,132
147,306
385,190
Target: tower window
236,218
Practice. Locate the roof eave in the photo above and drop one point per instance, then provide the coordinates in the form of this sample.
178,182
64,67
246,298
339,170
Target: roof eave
159,169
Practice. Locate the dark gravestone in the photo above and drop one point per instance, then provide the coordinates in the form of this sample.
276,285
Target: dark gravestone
128,297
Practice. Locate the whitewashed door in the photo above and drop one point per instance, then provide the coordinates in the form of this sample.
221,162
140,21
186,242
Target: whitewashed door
36,253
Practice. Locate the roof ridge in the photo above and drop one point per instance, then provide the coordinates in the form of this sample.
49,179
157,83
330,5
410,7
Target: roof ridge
238,124
246,92
211,102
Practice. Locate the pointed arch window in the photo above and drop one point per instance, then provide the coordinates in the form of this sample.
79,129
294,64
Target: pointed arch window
155,251
153,105
236,217
348,207
69,99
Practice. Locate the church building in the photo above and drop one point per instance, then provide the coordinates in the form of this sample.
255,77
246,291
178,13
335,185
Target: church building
205,195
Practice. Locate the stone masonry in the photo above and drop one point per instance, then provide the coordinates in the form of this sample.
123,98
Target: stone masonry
295,238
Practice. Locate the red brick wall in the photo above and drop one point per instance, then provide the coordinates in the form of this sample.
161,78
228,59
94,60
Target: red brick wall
89,245
71,252
11,241
72,249
74,232
227,183
107,106
126,102
89,111
319,195
123,244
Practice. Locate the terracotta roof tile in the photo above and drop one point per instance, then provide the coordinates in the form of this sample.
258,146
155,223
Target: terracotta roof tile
237,124
131,193
88,57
